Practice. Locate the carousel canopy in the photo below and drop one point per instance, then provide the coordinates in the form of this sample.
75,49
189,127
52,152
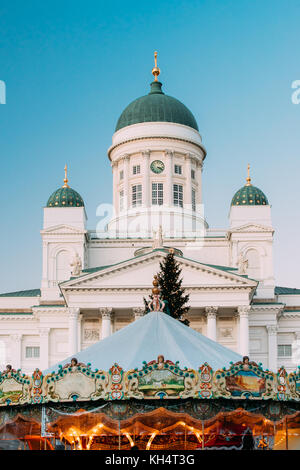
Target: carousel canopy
152,335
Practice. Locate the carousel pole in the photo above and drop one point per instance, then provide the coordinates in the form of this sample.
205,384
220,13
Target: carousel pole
202,435
119,435
286,434
184,437
43,426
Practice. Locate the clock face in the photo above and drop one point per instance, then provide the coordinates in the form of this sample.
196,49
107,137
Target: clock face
157,166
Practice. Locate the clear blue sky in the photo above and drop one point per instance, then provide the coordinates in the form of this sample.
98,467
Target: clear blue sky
70,68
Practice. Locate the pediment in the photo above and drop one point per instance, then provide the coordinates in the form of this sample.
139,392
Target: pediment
252,228
62,229
138,273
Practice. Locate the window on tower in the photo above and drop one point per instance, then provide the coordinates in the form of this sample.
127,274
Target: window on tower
62,265
178,169
284,350
121,174
121,200
136,195
193,199
193,174
178,195
32,352
136,169
157,194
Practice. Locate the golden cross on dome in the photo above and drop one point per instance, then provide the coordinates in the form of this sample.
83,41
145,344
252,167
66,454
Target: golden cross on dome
248,179
155,70
66,178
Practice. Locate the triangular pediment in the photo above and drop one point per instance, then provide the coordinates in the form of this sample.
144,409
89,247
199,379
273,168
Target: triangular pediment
138,273
63,229
252,228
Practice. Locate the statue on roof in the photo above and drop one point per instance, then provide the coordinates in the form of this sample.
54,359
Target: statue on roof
157,238
76,265
242,264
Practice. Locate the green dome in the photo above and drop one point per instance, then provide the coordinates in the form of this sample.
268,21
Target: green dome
249,195
65,197
156,107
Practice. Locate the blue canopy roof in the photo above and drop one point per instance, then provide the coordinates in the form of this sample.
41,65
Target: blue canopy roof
154,334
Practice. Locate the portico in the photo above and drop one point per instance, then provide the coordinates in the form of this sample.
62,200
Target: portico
219,298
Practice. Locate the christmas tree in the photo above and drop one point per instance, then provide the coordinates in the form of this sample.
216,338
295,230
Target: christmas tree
171,290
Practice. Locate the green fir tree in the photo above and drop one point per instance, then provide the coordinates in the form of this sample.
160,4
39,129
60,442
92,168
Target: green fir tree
171,290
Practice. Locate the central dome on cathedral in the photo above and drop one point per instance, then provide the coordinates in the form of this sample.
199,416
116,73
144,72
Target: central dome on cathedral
156,107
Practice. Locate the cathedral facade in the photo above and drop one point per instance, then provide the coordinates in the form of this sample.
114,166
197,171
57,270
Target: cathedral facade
93,282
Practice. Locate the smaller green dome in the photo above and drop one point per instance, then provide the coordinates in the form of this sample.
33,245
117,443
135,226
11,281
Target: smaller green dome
249,195
65,197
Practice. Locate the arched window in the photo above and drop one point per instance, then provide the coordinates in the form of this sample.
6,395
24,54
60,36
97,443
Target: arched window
63,268
253,269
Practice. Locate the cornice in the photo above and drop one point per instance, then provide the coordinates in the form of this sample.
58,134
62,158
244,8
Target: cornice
141,242
94,289
272,308
49,310
137,139
17,317
290,315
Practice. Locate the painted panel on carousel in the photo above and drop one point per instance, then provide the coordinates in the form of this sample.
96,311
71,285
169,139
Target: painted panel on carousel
75,382
294,384
205,381
282,388
15,388
161,379
244,379
116,391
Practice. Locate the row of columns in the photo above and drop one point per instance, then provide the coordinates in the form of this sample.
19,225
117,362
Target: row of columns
168,180
211,313
243,314
107,314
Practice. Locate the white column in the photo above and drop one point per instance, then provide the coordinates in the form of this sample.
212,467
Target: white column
188,186
211,328
106,314
44,348
146,179
127,196
243,312
199,181
79,328
73,330
168,190
45,265
138,312
115,187
272,347
16,351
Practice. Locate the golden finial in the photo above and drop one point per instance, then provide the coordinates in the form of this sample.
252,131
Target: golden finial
155,289
248,179
155,70
66,178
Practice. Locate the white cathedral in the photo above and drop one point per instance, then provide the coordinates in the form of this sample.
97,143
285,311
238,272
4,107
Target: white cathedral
93,282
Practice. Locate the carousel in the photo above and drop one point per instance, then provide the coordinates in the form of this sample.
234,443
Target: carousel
156,384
